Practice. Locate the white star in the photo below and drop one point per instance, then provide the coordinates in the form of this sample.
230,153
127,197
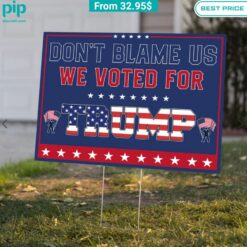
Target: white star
101,96
131,36
158,159
61,153
144,97
115,36
123,36
192,162
141,158
124,157
90,95
207,162
175,160
133,97
92,155
155,98
146,36
76,154
122,97
139,36
46,152
166,98
108,156
111,96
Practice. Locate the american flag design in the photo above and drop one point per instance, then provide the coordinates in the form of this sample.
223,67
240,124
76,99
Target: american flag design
72,111
51,115
206,123
97,117
122,100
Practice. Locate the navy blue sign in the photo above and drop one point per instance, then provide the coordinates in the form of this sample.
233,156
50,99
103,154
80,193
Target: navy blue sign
142,100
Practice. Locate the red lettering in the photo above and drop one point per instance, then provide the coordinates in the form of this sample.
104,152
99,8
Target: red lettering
151,78
81,76
114,77
183,79
67,75
126,76
100,78
169,78
197,78
138,78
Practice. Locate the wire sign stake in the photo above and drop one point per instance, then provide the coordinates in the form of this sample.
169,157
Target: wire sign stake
102,196
139,202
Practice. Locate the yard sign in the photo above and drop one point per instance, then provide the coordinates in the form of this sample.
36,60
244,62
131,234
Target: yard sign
136,100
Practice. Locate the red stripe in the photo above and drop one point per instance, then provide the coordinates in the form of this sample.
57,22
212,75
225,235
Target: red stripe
132,160
149,116
103,134
180,117
163,138
130,114
126,126
152,127
116,114
71,133
126,114
90,134
143,137
122,135
183,37
180,128
177,139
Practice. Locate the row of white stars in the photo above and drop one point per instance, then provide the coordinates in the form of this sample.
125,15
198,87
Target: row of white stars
131,36
122,97
125,157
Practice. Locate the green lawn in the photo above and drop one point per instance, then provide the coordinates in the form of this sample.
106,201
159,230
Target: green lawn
50,204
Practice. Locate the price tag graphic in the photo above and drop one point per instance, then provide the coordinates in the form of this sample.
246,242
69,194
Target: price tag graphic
123,6
136,100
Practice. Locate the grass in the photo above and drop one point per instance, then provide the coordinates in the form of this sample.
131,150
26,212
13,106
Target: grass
10,174
179,209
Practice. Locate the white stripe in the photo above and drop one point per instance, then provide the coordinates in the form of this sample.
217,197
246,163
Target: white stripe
163,133
142,132
131,109
117,109
103,130
161,111
90,129
72,128
182,112
186,123
177,134
126,131
118,120
153,122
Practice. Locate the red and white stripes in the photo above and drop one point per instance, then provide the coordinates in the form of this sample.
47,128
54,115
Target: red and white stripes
117,113
182,120
149,124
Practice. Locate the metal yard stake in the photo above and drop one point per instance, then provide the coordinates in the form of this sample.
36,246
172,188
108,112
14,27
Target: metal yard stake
102,195
139,203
